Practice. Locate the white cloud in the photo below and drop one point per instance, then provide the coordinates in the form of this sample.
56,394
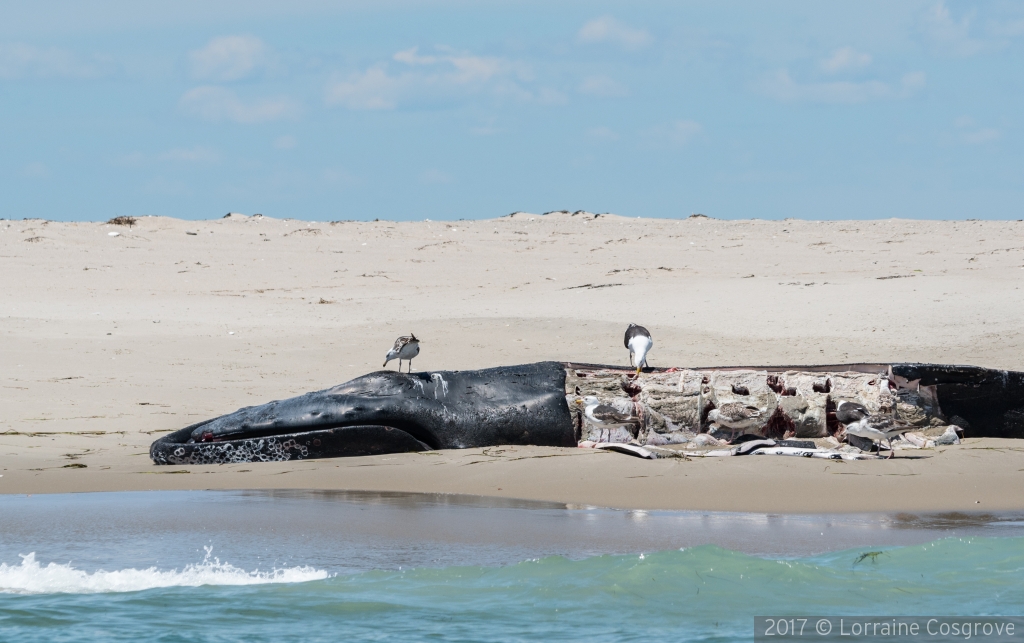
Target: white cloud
227,58
845,58
983,135
950,34
781,86
543,96
36,170
602,134
439,77
467,68
602,86
913,81
133,159
609,30
676,133
217,103
974,135
680,132
371,89
1011,28
26,61
197,154
435,177
285,142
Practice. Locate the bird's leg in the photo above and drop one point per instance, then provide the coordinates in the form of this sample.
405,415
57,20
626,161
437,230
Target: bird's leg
892,454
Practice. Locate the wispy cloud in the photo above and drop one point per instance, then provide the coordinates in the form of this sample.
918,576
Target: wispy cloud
971,134
983,135
227,58
467,68
950,34
36,170
196,154
435,177
218,104
26,61
602,134
602,86
844,59
285,142
607,29
676,133
371,89
443,76
781,86
1011,28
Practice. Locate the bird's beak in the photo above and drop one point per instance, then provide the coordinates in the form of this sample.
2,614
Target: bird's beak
384,364
579,400
637,370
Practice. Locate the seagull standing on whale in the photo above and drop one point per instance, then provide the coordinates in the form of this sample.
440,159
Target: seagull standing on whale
860,422
638,341
605,416
736,416
406,347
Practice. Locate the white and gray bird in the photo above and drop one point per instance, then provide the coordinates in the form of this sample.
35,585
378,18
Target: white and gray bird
875,427
638,341
607,417
736,417
406,347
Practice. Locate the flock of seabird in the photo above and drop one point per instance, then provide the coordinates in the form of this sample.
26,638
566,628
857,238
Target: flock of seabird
735,416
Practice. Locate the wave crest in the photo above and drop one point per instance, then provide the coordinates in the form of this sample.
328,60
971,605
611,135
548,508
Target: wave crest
30,577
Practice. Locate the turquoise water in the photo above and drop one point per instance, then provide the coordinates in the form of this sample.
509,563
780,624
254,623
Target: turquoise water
703,592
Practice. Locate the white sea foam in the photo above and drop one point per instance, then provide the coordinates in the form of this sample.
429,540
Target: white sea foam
32,578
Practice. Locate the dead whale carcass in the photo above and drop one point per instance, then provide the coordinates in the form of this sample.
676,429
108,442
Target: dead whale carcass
540,404
387,412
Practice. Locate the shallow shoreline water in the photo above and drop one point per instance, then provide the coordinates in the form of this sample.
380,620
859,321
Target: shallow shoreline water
314,565
346,532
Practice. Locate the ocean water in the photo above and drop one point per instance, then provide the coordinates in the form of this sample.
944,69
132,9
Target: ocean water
232,566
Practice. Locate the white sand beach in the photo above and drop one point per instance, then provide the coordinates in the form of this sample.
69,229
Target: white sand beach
109,341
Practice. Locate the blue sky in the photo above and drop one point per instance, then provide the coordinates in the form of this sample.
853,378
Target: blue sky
446,110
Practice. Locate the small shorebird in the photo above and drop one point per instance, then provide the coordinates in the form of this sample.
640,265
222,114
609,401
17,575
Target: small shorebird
638,341
860,422
406,347
736,417
606,417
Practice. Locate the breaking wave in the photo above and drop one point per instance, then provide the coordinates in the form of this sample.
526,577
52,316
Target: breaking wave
30,577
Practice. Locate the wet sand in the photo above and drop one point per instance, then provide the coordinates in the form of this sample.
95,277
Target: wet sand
107,342
346,532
